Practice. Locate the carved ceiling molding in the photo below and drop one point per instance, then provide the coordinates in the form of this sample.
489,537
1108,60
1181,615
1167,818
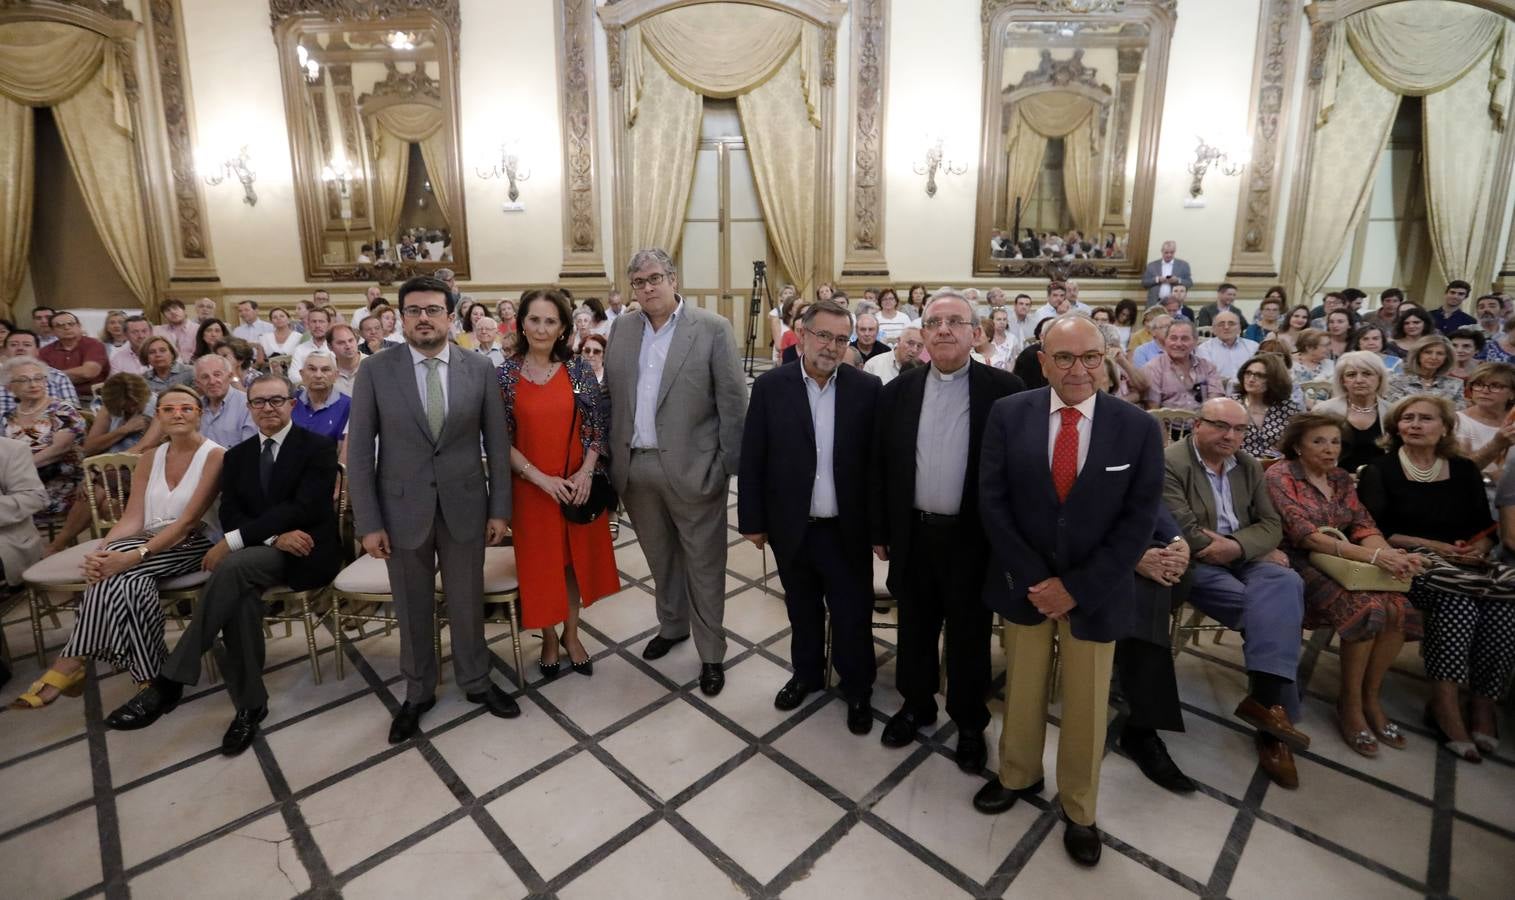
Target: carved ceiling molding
188,203
1059,73
1252,248
410,87
1088,8
870,41
447,11
581,219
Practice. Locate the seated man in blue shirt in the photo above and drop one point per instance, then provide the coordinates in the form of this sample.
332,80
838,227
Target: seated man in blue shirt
225,418
319,406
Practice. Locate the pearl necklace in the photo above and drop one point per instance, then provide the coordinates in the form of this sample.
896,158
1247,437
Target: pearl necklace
1362,409
1416,473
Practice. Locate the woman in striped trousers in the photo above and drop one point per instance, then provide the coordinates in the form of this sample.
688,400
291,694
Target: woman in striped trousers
166,530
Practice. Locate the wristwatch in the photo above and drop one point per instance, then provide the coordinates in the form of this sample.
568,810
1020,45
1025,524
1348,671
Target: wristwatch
142,552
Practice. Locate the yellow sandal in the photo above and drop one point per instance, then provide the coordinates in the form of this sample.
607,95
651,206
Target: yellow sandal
67,685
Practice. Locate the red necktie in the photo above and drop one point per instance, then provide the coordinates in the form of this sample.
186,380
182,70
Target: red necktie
1065,454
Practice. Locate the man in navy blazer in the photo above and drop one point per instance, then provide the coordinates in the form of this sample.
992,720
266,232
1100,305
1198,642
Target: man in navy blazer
809,424
1070,480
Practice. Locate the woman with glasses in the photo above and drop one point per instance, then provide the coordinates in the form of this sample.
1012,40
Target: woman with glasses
593,352
1483,426
166,530
1263,387
53,430
1425,372
1359,389
1270,314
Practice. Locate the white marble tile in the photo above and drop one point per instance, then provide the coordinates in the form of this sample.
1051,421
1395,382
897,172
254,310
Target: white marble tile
292,690
1050,873
673,747
1481,862
755,615
1277,864
1487,791
566,812
1213,754
166,812
934,806
761,816
853,764
486,752
25,730
456,862
323,745
1413,768
620,616
44,784
1186,832
615,691
659,863
353,820
865,865
1209,686
631,562
261,853
748,696
194,727
54,860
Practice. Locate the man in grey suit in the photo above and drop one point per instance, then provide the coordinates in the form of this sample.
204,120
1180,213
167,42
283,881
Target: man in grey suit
420,499
21,497
1162,274
678,401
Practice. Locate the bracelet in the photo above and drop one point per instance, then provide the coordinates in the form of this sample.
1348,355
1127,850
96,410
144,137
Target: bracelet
1374,560
526,468
1338,549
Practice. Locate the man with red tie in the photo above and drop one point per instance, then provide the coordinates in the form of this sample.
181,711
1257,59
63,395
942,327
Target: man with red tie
1065,549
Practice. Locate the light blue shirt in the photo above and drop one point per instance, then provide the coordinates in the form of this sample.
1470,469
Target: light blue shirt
418,360
232,423
1220,489
822,398
650,363
1146,353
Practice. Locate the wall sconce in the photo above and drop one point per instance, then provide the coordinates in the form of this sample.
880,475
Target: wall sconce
239,166
311,67
509,168
1207,156
936,162
339,172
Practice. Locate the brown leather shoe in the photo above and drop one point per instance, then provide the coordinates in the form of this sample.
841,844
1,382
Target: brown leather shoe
1277,760
1274,721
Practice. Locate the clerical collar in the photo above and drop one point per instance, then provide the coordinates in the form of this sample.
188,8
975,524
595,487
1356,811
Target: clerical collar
939,375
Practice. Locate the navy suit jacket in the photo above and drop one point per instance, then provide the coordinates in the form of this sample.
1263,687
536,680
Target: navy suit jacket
1092,540
298,499
779,459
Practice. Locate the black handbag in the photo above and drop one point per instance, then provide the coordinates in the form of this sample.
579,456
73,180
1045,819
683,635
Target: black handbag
601,495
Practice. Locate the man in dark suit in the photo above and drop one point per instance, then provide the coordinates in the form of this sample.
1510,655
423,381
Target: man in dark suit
928,430
1162,275
276,510
1071,479
810,424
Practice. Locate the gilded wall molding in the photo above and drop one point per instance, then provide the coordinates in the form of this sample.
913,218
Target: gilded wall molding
1257,209
582,256
448,11
864,253
189,209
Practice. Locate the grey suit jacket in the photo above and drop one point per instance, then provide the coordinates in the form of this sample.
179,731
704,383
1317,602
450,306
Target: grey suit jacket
398,476
702,402
21,497
1187,494
1152,275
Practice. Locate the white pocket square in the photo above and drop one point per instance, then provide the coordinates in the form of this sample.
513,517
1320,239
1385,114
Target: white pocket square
1120,468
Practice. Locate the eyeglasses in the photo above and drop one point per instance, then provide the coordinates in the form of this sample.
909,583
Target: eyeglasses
954,322
655,279
826,337
33,379
270,402
1238,430
592,351
1091,360
1254,374
1488,386
416,312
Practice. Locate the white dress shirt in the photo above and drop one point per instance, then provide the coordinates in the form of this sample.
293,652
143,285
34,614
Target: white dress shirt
1227,358
306,348
1085,427
251,333
885,367
822,399
234,537
418,362
650,362
1164,289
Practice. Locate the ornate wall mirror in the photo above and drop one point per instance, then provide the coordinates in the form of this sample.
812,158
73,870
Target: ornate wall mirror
371,101
1072,102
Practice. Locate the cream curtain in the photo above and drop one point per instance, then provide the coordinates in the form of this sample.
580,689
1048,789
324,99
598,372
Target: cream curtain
1462,145
16,185
43,62
1081,183
663,144
394,129
391,167
783,148
1057,114
1025,150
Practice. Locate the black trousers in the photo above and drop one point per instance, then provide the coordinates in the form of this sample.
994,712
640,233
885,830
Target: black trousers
1149,684
231,605
942,589
821,577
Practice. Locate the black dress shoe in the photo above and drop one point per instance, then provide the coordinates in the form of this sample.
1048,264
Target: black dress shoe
1151,756
859,716
658,647
152,702
549,670
712,678
499,703
971,753
902,726
994,798
791,695
239,736
408,720
1081,842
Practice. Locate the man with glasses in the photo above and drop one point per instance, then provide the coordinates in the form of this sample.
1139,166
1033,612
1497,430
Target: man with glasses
1227,350
930,423
1241,579
276,509
420,498
75,354
678,400
906,354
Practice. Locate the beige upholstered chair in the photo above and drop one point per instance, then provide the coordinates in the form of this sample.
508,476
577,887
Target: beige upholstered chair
502,599
287,606
361,594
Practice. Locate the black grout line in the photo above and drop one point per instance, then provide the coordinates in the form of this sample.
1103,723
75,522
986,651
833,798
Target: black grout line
108,822
1439,857
1236,839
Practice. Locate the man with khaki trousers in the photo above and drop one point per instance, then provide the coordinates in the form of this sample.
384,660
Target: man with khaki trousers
1070,479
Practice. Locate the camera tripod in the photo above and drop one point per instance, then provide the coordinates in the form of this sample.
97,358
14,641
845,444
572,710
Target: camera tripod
760,291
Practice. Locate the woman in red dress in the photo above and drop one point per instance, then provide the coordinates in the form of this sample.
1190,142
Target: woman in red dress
559,422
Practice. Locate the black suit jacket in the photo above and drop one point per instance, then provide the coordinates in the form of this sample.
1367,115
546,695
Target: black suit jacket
299,498
1092,540
895,427
778,461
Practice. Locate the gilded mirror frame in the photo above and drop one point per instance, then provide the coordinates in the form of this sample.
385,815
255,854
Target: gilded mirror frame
293,19
1158,17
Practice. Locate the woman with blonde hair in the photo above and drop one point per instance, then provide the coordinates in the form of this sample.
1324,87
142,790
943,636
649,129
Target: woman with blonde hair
1359,389
1483,426
1427,365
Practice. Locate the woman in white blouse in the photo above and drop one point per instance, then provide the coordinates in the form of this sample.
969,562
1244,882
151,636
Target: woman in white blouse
284,338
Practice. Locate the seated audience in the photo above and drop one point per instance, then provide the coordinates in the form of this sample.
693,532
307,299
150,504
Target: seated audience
161,365
892,321
318,324
906,353
467,319
1450,316
1125,320
1264,389
1425,372
164,531
53,430
486,336
113,332
75,354
1427,498
1240,578
1467,349
1227,349
1388,309
1372,337
319,406
42,317
1174,306
249,327
284,338
1297,321
867,343
1270,315
1149,341
126,358
1312,362
1225,301
1413,324
1500,347
23,343
1312,492
1178,379
225,418
594,354
1126,380
21,497
243,359
1484,431
1359,389
177,328
1002,341
1489,310
372,333
211,334
344,348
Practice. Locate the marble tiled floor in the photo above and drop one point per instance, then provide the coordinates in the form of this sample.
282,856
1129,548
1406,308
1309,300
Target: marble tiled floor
633,784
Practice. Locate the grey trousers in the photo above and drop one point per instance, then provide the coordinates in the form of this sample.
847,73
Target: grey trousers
685,545
412,578
231,605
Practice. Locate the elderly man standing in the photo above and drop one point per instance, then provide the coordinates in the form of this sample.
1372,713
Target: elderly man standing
1227,350
1071,481
225,419
906,353
678,399
74,353
125,359
1161,275
930,424
1178,379
1241,579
